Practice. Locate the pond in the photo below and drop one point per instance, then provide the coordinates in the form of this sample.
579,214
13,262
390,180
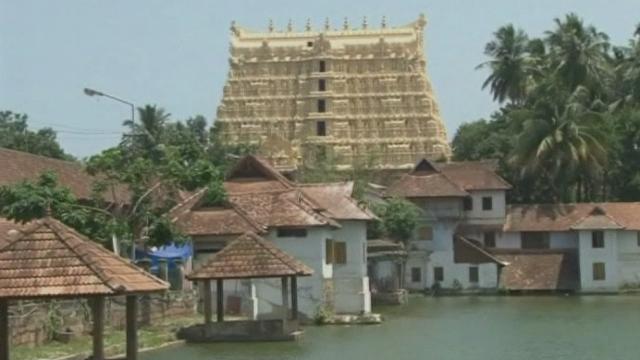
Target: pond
456,328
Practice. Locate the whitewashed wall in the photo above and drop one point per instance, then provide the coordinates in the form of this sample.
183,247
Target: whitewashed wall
496,214
629,258
350,281
589,255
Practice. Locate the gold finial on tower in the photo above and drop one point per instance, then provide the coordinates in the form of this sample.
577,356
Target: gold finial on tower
290,26
345,25
384,22
270,25
327,25
364,23
307,26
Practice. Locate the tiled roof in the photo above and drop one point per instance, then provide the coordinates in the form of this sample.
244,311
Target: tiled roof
252,167
336,199
563,217
467,251
20,166
250,256
49,259
429,179
414,185
597,219
474,175
539,270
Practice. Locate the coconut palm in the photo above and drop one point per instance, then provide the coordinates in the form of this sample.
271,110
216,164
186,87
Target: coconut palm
579,53
562,144
510,65
145,134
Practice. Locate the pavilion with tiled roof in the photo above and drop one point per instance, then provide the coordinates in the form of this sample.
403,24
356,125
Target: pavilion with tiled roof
249,256
47,260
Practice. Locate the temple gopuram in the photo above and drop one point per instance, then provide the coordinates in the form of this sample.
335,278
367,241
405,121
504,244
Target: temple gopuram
352,95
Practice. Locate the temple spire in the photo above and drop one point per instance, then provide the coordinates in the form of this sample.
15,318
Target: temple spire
345,25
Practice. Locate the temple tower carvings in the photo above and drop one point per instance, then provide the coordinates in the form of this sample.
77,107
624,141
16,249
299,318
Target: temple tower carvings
358,96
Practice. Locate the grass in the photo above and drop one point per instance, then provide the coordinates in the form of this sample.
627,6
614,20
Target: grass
114,341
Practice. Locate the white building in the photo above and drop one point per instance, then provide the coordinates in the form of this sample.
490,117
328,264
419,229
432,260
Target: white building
319,224
590,247
458,200
469,239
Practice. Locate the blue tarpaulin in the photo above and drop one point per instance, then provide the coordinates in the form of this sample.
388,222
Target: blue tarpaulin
167,252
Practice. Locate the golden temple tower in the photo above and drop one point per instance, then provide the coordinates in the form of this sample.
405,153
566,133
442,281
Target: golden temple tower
355,95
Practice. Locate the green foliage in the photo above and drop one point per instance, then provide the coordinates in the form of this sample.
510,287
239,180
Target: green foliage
399,218
215,195
26,201
14,134
567,132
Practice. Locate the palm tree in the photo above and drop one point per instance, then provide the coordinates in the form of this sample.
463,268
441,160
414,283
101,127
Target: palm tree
145,135
510,65
628,69
562,144
579,53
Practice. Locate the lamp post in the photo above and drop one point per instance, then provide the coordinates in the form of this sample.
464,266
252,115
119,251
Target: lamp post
92,92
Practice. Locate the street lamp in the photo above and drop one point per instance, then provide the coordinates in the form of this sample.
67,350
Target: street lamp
92,92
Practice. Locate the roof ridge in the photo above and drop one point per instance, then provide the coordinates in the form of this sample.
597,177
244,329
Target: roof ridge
481,249
32,226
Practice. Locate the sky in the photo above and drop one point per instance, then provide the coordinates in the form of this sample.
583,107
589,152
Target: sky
175,53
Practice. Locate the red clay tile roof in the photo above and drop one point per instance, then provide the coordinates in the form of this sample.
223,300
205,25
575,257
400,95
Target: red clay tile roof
563,217
474,175
336,200
49,259
251,167
20,166
539,270
467,251
597,219
250,256
429,179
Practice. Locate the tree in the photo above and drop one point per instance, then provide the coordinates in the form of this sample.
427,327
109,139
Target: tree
578,53
146,134
26,201
511,66
399,218
14,134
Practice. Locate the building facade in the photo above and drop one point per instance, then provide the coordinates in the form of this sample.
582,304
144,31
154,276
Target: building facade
470,239
357,96
318,224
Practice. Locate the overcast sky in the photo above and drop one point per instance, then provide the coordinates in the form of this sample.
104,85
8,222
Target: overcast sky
175,53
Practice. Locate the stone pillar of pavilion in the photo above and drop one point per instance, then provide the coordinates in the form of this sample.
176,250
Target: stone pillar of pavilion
74,267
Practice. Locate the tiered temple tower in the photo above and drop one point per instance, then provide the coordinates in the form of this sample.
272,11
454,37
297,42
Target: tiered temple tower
359,96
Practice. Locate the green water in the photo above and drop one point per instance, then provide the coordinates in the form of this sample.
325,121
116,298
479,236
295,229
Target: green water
455,328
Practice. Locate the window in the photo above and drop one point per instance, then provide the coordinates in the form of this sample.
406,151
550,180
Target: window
425,233
598,271
490,239
322,85
535,240
339,252
322,106
438,274
473,274
467,203
335,252
638,238
309,43
292,232
322,66
416,274
328,251
487,203
597,239
321,128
